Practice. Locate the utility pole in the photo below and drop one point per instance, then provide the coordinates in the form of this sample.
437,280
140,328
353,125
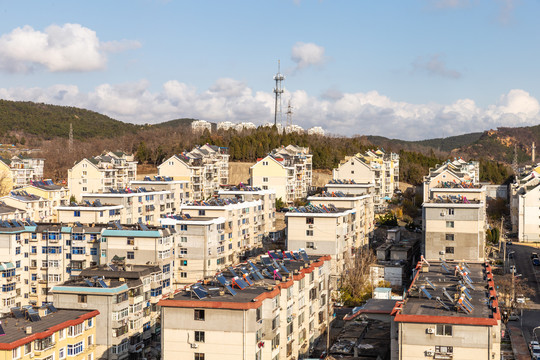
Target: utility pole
513,271
328,315
70,137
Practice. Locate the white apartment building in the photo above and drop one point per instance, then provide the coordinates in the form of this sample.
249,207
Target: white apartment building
179,189
138,205
112,170
454,223
198,126
441,318
225,125
287,170
451,173
36,208
57,194
89,213
373,167
316,130
228,319
126,297
206,168
525,206
24,169
363,206
323,229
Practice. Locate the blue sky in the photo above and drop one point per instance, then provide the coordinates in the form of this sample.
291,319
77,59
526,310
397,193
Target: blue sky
406,69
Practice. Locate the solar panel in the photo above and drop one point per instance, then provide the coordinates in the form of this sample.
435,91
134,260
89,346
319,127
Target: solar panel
240,283
445,268
88,282
199,291
102,283
442,303
430,284
304,255
143,226
246,277
448,295
222,280
266,273
78,224
428,295
288,255
32,222
97,202
118,226
113,267
17,313
277,274
282,266
51,308
2,332
33,315
233,273
256,274
266,260
296,255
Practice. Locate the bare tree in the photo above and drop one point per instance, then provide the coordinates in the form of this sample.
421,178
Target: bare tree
355,281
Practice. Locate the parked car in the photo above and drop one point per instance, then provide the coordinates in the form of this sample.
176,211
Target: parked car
508,243
520,299
513,317
535,352
536,262
534,255
533,343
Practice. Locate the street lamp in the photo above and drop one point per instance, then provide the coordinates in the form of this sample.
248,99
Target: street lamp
538,327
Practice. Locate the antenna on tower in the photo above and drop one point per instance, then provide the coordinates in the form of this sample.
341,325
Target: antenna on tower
289,115
70,136
278,90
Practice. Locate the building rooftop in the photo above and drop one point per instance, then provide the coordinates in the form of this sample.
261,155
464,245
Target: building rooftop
450,292
47,185
241,285
55,319
337,194
215,202
458,185
452,199
316,209
24,196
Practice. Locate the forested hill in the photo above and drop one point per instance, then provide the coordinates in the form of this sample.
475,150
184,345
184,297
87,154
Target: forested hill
51,121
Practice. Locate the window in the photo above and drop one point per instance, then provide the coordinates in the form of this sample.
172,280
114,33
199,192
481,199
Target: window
75,330
443,330
77,213
81,298
309,232
449,224
199,356
449,250
61,334
27,348
93,251
265,163
199,336
84,189
131,255
183,239
103,253
309,220
76,349
202,212
16,353
62,353
183,227
450,237
130,241
199,315
265,179
450,211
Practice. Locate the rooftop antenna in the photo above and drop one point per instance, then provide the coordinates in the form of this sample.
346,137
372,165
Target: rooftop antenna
70,136
278,90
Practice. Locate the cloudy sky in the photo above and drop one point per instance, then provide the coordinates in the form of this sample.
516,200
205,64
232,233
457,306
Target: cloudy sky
411,69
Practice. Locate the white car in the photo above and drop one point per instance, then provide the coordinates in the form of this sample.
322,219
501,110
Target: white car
535,352
520,299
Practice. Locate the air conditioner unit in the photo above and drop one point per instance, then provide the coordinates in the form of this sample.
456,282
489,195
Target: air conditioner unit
135,248
310,226
194,346
428,353
441,252
430,330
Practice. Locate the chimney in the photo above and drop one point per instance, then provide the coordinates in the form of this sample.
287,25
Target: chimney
28,330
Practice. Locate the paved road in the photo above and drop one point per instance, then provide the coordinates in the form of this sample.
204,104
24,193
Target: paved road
530,274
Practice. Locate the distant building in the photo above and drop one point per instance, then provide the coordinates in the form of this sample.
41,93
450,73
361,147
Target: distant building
316,130
225,125
450,311
36,208
294,129
525,206
112,170
265,320
373,167
245,126
198,126
180,189
205,167
49,333
25,169
456,171
287,170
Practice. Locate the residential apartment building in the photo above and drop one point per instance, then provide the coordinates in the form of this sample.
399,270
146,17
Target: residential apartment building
350,187
36,208
287,170
202,248
89,213
199,126
6,178
450,173
138,204
525,206
23,169
323,229
179,189
447,313
126,298
228,318
363,206
205,167
268,203
112,170
57,194
454,223
373,167
48,333
10,212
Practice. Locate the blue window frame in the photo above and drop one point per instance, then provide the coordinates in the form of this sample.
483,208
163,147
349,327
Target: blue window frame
93,251
77,213
76,250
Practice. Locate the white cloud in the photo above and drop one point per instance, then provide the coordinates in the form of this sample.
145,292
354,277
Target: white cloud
434,65
70,47
307,54
369,113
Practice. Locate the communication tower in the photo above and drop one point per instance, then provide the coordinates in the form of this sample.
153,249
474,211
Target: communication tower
278,90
